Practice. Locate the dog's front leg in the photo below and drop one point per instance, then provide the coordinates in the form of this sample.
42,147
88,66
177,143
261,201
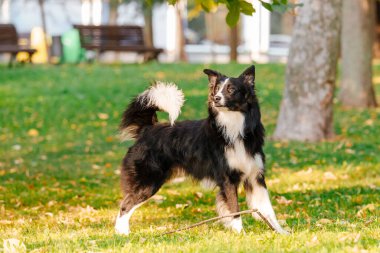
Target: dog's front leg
227,202
258,198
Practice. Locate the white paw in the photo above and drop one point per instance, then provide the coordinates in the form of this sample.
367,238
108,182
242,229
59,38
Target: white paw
236,225
122,225
282,231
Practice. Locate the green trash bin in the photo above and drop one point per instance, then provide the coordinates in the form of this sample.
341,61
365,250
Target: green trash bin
72,51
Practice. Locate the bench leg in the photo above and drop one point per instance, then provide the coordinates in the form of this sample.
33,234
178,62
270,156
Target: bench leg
11,59
30,55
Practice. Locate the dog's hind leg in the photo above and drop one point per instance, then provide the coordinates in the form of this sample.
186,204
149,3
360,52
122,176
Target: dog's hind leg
136,193
226,203
258,198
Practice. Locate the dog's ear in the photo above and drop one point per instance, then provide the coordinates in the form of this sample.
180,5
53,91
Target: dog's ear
212,76
248,75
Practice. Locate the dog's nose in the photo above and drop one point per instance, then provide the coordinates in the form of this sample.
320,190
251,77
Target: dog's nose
217,98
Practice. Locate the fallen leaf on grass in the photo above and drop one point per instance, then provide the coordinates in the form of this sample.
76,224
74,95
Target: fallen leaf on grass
362,212
103,116
16,147
158,198
181,206
314,241
283,201
160,75
305,172
13,246
173,192
109,139
33,132
199,195
324,221
329,176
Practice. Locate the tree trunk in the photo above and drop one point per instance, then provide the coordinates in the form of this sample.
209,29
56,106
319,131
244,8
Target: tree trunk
180,31
113,5
306,112
148,29
357,53
234,41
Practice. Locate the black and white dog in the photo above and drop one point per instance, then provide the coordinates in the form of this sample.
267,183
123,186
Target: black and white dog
225,148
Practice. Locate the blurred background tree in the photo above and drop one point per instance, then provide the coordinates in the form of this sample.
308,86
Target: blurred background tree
306,112
358,25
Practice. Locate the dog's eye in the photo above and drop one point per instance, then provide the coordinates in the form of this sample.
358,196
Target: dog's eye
230,89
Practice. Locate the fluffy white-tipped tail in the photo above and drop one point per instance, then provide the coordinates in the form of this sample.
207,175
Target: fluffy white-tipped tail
166,97
141,112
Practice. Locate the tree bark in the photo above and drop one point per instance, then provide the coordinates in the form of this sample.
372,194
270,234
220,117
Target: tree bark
234,42
148,29
181,41
357,53
306,112
113,5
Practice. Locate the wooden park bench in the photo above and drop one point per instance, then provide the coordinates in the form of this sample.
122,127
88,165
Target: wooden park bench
9,43
116,38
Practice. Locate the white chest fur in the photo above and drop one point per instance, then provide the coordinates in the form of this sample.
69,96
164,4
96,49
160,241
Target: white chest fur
232,124
239,159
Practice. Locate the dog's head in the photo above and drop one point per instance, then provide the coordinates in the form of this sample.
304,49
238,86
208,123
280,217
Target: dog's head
230,93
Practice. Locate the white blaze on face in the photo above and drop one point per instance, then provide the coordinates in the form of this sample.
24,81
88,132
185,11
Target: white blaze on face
220,94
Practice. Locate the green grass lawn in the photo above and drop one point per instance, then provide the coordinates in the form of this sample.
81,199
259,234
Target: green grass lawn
59,159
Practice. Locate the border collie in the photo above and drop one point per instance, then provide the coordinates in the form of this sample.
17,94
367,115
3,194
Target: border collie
225,148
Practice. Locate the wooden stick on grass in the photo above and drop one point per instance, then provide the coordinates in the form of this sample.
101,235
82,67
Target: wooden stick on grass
221,217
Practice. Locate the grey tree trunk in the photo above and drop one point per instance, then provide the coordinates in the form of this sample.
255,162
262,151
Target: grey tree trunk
357,53
306,112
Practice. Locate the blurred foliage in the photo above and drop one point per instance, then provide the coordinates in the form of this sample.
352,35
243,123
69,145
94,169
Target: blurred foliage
235,7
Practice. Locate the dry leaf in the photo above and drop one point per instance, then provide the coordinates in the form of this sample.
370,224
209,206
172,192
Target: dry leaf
109,139
103,116
16,147
305,172
324,221
13,246
283,201
198,195
314,241
158,198
350,151
362,212
33,132
357,238
95,167
173,192
181,206
329,176
160,75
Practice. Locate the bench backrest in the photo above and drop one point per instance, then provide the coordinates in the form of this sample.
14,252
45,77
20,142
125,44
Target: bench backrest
92,36
8,35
